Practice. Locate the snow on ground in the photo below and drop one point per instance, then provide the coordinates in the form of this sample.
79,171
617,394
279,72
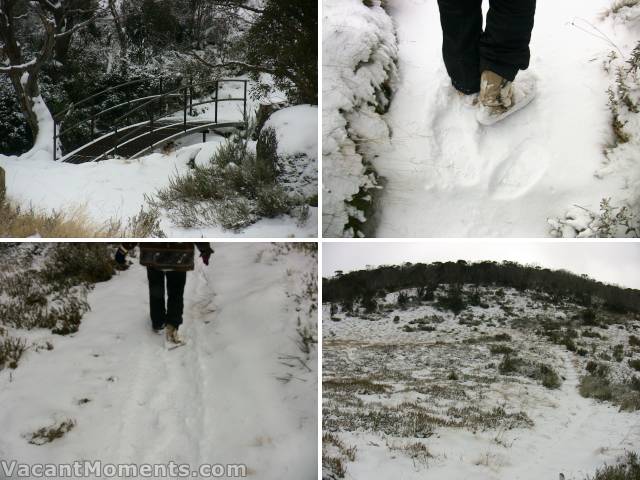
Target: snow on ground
219,400
116,188
570,434
448,176
359,51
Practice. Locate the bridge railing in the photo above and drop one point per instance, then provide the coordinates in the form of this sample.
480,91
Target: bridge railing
157,107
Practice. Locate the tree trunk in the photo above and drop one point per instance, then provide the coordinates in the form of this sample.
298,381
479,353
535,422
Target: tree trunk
26,92
24,75
122,37
3,186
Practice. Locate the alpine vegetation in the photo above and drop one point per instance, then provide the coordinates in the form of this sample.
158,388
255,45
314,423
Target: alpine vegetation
236,188
45,286
478,370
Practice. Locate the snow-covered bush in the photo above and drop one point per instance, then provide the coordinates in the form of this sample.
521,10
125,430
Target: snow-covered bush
46,285
234,189
15,137
359,55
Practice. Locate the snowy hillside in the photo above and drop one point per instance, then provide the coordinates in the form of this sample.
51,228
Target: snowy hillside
543,172
482,383
242,391
359,54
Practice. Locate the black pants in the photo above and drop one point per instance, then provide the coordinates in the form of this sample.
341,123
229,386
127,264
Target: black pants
172,313
502,48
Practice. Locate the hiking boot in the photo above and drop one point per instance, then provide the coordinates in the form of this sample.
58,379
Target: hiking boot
172,335
496,93
500,98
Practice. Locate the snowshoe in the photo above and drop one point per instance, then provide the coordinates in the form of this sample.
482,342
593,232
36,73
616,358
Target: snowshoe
500,98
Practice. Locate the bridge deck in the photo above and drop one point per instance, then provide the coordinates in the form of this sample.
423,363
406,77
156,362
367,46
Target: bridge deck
140,137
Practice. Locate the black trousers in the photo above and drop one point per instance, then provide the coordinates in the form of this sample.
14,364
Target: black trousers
502,48
170,314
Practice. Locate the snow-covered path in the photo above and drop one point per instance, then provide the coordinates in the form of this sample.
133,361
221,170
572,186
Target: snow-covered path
448,176
574,437
216,401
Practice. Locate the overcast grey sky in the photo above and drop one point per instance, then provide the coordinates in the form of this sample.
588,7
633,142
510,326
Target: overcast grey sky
609,262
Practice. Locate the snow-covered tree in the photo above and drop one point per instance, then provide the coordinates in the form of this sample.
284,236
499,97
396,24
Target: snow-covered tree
23,67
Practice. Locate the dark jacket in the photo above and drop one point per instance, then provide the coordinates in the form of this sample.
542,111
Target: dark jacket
172,256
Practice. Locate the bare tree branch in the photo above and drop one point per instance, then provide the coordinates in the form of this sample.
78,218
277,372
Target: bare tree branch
255,68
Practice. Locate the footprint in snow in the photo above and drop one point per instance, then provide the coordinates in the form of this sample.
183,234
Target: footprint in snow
456,144
519,172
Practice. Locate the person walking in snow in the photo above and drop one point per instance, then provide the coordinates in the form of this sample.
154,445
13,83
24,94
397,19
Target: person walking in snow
487,62
168,262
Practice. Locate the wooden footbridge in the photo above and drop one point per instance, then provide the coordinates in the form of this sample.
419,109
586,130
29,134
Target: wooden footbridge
146,122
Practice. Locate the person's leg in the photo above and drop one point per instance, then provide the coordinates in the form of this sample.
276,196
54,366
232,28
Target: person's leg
504,45
175,292
156,298
461,22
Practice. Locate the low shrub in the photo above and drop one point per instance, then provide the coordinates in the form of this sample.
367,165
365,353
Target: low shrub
48,284
589,318
597,387
627,468
548,376
624,395
500,350
510,364
234,189
635,364
49,434
11,349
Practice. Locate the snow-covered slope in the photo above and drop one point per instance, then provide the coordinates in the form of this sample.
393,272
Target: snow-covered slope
241,391
448,176
359,53
416,392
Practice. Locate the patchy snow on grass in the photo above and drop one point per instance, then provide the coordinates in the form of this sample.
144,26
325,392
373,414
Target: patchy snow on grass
417,392
240,392
359,51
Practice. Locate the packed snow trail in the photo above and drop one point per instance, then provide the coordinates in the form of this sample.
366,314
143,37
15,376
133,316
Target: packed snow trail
575,437
217,400
448,176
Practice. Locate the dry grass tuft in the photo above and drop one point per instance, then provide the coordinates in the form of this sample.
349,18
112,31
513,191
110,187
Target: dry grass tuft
21,222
